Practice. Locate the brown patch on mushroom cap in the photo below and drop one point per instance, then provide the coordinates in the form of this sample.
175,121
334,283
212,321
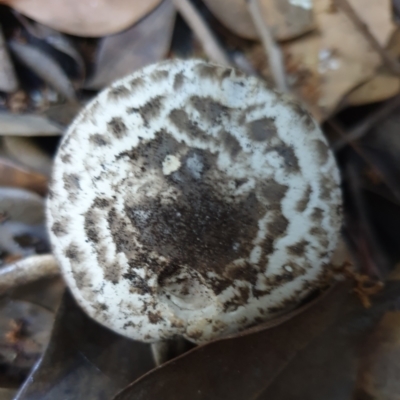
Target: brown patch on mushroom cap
262,129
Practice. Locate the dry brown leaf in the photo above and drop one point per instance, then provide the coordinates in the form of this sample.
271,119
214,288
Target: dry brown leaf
379,372
329,63
26,152
14,176
85,18
142,44
8,80
45,67
27,125
287,18
383,85
379,88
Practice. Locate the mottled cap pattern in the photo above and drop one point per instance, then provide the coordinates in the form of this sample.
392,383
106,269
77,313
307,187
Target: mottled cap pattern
189,199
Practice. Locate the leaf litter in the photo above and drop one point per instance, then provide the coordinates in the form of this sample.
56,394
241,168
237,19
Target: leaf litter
54,60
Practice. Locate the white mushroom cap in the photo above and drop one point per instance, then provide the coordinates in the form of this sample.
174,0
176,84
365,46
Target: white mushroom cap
188,199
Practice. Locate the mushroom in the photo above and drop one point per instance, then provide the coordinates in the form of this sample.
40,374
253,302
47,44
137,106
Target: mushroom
191,200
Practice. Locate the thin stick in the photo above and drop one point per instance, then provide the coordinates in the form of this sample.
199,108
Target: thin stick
28,270
391,185
369,122
387,59
210,44
272,49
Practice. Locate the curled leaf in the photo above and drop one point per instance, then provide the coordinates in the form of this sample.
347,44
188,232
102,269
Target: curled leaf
45,67
85,360
144,43
85,18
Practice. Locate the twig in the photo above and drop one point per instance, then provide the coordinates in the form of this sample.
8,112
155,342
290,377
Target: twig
387,59
369,122
27,270
272,49
210,44
392,186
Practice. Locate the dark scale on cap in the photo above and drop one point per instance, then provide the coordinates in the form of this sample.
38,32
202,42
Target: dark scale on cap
81,278
303,114
59,228
72,185
240,298
138,283
182,121
137,83
303,202
102,203
322,151
121,232
118,92
209,109
244,272
112,272
117,127
288,156
91,224
317,215
277,227
231,144
320,234
98,140
298,249
149,110
273,191
74,253
327,188
154,317
66,158
153,152
159,75
179,80
262,129
208,71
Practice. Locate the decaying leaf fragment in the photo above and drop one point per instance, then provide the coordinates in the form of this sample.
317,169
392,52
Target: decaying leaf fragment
85,360
142,44
13,175
287,18
337,57
84,18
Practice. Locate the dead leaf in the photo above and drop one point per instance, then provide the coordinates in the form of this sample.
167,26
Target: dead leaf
329,63
144,43
24,333
46,292
27,125
286,18
54,38
21,206
7,394
315,355
379,88
8,79
45,67
85,18
13,175
85,360
380,366
63,114
27,153
240,367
